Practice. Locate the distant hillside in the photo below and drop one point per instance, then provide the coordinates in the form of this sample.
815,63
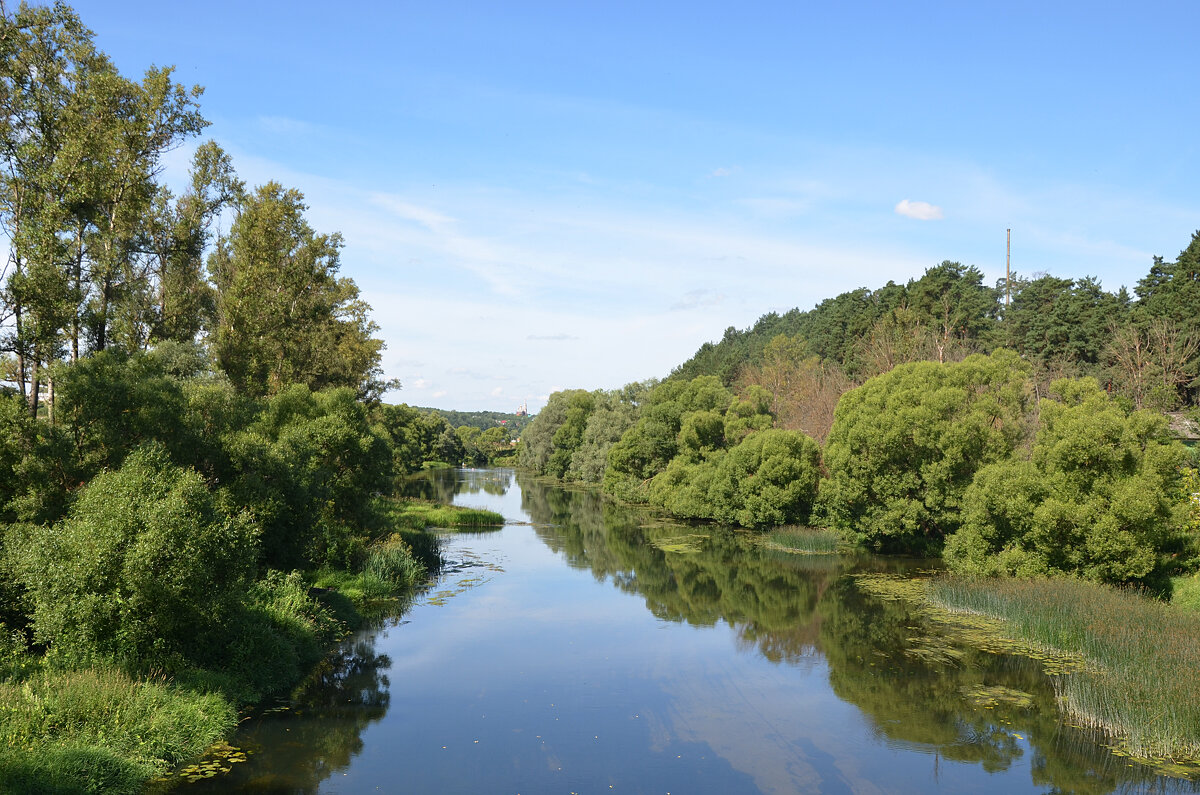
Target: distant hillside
480,419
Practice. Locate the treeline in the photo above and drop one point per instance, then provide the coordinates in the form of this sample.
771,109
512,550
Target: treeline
1144,347
191,429
970,459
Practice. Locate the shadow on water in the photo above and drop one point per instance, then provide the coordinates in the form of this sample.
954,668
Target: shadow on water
919,692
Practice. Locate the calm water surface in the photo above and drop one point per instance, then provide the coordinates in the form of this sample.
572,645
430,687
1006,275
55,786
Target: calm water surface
588,648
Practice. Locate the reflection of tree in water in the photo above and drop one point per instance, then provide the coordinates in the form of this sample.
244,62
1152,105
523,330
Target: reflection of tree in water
965,704
441,485
770,599
294,750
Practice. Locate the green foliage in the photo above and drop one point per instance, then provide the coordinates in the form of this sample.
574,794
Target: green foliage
1097,498
650,445
306,468
143,569
557,432
615,413
97,730
768,479
906,444
392,560
310,327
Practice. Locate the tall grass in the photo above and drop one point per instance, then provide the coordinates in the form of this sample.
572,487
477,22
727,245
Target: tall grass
418,515
810,540
99,730
1142,686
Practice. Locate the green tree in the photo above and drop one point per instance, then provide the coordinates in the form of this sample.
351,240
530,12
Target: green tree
1097,497
283,314
557,432
144,569
905,445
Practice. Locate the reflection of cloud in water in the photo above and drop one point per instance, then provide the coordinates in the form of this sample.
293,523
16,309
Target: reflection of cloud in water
760,729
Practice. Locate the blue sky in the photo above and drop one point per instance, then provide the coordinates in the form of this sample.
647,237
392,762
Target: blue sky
538,196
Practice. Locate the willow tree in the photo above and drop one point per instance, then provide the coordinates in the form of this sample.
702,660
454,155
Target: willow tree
283,315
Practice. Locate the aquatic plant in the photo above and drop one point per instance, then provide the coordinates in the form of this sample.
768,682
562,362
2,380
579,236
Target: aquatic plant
1141,685
809,540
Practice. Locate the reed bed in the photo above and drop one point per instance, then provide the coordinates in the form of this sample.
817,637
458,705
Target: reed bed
808,540
418,515
1142,683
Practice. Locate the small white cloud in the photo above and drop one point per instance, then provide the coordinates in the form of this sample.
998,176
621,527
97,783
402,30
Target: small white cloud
498,391
420,383
922,211
439,394
551,337
723,172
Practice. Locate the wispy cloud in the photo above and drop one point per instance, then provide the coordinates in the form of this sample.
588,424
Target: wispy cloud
725,171
697,299
551,337
922,211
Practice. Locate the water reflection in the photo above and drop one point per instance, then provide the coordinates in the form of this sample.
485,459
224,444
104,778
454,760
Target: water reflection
921,692
543,682
316,733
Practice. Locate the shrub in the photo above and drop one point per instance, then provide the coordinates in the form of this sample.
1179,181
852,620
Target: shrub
906,444
1097,497
144,568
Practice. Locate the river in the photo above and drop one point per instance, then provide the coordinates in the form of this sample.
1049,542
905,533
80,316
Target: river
591,648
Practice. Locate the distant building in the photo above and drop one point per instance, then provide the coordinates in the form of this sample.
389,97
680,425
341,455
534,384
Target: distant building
523,409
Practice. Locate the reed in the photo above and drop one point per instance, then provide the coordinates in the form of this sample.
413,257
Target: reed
1142,683
419,514
806,540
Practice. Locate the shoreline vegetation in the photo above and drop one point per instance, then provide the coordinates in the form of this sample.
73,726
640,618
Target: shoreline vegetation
93,727
1122,663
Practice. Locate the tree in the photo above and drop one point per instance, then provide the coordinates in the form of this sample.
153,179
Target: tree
557,432
79,149
144,569
1095,498
283,314
905,445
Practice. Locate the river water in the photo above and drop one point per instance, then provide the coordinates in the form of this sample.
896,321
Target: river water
590,648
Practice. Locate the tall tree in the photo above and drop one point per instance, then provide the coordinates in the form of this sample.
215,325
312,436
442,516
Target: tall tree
283,315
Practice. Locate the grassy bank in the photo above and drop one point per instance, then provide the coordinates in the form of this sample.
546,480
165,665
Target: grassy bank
80,725
1141,685
419,514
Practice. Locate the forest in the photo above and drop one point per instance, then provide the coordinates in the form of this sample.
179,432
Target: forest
1021,429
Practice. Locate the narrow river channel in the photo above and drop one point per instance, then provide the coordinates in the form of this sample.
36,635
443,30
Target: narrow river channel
588,648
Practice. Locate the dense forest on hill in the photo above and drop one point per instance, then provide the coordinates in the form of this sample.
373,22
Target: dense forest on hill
927,418
1145,347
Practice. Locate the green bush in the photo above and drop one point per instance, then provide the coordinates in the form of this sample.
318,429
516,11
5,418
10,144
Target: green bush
392,561
905,445
144,568
769,479
1098,497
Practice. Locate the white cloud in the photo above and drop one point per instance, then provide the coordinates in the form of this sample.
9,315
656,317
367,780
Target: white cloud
922,211
439,394
723,172
498,391
419,383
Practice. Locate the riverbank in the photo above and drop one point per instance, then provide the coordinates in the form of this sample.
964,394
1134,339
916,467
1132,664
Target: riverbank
94,727
1121,663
